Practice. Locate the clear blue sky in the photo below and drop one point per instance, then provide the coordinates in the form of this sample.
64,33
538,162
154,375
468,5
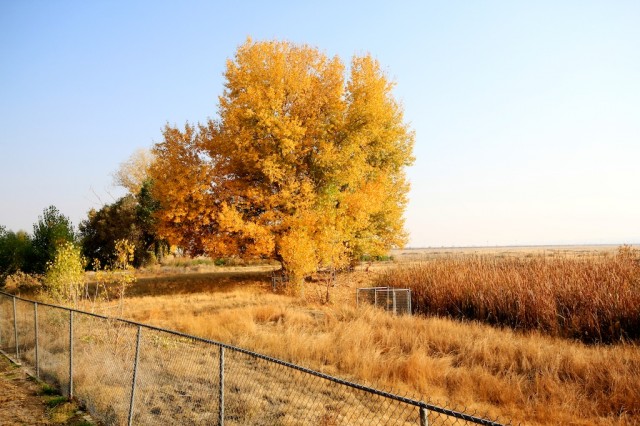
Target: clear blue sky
527,114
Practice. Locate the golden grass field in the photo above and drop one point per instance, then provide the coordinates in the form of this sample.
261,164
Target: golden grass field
524,376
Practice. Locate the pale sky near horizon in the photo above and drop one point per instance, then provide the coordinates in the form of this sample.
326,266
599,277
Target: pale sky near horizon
527,114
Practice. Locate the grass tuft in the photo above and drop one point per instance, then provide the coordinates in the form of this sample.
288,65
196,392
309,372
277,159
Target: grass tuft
55,401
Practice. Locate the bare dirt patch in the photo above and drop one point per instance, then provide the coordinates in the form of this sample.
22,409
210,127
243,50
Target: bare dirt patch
19,400
26,401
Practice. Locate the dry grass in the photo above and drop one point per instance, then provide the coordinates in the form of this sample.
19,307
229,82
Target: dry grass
524,376
177,378
529,378
594,299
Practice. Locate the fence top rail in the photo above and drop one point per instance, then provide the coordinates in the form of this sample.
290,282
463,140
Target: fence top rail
383,288
385,394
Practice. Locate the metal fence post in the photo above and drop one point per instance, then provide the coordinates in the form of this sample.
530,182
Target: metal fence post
15,328
424,420
35,326
135,374
1,318
221,390
70,354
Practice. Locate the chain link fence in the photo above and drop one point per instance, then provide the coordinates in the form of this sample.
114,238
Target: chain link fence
130,373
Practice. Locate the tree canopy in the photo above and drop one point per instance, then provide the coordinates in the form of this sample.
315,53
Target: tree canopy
16,251
102,228
133,172
130,218
305,162
52,229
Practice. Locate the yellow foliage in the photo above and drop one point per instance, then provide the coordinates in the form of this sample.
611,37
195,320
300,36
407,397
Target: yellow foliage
132,173
64,278
301,166
298,251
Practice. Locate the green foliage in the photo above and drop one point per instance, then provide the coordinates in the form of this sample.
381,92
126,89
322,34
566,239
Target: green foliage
376,258
100,231
129,218
47,389
16,250
64,278
150,248
51,230
54,401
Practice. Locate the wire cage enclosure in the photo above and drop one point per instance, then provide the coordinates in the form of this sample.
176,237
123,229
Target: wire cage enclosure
279,280
395,300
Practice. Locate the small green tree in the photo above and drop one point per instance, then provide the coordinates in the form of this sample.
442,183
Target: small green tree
16,251
51,230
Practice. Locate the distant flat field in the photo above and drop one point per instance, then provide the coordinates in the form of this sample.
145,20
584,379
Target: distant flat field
413,254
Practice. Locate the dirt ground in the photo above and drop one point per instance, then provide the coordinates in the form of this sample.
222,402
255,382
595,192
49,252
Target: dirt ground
22,402
19,400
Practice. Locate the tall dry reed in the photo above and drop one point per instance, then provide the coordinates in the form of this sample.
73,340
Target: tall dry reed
595,299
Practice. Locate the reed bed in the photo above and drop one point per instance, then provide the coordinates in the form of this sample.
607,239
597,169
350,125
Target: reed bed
594,299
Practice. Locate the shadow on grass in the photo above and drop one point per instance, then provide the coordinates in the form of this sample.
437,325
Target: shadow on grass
189,283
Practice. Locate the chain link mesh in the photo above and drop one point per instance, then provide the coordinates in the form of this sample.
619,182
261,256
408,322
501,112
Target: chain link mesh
261,392
53,346
103,352
26,331
177,380
7,344
122,370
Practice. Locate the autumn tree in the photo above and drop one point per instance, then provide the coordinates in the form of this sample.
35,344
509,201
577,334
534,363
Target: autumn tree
64,277
182,184
133,172
304,164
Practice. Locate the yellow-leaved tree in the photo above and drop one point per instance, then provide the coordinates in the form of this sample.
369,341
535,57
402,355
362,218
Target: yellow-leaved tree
132,173
304,164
